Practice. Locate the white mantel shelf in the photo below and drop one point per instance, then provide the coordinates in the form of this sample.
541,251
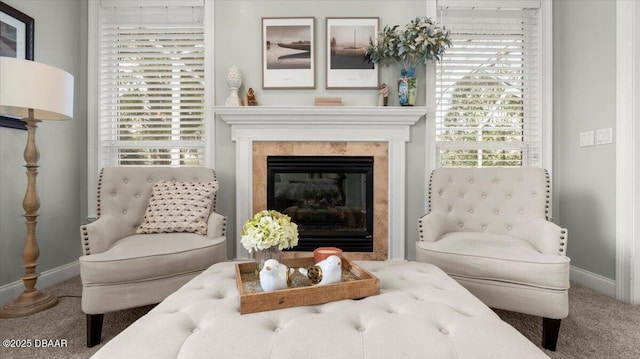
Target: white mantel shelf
381,124
341,116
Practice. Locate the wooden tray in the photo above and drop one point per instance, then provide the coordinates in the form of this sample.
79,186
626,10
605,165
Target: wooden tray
356,283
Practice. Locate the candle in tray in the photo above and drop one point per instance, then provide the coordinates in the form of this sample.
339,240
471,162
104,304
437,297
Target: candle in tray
322,253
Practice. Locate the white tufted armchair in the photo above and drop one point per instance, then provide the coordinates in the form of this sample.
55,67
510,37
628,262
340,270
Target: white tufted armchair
489,229
121,269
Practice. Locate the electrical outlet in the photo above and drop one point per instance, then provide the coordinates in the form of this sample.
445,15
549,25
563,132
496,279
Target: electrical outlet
604,136
586,138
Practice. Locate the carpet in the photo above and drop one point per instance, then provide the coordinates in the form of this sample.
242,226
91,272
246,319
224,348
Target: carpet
598,327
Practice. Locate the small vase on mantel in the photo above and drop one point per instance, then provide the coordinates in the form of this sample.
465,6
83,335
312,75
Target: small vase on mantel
270,253
407,87
234,81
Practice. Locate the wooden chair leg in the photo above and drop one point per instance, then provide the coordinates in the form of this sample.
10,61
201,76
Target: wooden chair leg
94,329
550,330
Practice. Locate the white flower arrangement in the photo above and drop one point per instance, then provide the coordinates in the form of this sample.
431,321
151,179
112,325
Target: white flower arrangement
269,229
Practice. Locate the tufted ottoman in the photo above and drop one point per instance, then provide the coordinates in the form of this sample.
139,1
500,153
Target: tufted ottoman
420,313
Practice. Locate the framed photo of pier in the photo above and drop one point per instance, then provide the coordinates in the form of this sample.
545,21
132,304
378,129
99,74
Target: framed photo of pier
288,53
346,42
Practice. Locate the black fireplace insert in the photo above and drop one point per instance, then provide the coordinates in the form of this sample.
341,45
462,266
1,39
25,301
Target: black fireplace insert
330,198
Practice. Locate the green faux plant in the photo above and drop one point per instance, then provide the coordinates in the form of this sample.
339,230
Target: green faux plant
419,41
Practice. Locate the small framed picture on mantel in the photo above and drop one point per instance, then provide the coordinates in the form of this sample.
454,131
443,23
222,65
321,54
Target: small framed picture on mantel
288,53
346,43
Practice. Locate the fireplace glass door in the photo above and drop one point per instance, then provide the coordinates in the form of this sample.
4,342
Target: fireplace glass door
330,198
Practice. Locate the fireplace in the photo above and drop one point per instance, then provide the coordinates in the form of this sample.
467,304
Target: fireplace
330,198
382,132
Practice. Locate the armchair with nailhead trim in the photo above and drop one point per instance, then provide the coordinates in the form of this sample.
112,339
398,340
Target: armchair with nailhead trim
489,229
122,269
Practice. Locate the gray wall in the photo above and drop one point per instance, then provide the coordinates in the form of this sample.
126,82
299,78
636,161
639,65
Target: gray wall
584,99
58,42
238,35
238,32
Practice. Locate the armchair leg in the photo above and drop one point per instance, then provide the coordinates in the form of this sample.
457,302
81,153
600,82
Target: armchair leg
94,329
550,330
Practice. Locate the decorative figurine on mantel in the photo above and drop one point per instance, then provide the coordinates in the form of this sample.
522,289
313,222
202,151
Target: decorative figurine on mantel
250,98
234,81
383,95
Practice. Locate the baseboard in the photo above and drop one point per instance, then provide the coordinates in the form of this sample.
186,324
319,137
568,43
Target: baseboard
594,281
11,291
53,276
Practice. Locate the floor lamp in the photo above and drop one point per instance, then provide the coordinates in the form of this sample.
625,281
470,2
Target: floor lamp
32,92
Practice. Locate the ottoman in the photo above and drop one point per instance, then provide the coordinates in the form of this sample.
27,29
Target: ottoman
420,313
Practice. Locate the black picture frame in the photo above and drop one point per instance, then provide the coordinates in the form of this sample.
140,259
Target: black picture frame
10,43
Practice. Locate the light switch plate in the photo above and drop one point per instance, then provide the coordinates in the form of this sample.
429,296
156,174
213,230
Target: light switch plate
586,138
604,136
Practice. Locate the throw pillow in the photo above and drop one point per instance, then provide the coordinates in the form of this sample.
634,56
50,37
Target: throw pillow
178,207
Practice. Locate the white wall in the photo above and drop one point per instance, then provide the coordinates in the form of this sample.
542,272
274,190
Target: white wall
59,26
584,99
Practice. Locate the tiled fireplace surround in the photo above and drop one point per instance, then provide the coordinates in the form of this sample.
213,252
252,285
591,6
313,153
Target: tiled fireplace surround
381,132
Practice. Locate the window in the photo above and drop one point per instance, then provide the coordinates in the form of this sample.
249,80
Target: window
488,103
151,84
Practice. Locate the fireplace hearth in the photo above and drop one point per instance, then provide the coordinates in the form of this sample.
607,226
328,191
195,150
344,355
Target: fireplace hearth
330,198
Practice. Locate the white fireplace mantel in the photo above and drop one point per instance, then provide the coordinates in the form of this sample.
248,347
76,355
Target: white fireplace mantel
366,124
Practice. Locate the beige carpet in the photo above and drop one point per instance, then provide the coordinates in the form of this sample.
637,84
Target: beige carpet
597,327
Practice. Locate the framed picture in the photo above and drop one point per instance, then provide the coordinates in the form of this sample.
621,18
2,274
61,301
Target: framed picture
16,40
288,53
346,42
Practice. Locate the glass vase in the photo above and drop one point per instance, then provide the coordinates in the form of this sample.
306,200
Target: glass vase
270,253
407,87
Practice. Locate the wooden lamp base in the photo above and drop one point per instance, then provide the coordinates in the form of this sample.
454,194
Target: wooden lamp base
28,303
31,300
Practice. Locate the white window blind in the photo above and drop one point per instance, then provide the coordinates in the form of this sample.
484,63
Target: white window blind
488,89
151,85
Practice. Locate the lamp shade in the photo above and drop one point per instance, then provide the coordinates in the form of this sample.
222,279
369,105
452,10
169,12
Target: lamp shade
28,85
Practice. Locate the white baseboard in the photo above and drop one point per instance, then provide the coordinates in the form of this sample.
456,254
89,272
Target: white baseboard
53,276
594,281
11,291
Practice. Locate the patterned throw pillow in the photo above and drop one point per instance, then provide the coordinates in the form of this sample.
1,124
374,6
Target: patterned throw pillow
178,207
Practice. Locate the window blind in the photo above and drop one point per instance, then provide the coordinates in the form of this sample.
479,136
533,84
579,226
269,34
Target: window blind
152,85
487,89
